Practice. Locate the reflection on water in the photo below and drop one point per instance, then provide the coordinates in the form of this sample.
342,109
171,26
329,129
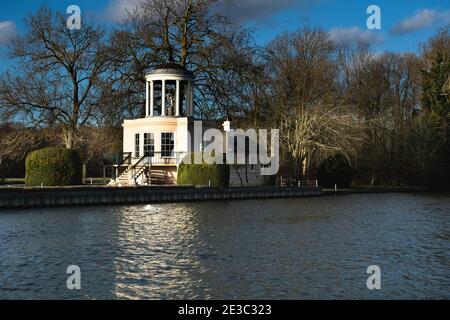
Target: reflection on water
159,250
272,249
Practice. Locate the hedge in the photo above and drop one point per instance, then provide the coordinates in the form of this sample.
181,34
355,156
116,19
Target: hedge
203,174
53,167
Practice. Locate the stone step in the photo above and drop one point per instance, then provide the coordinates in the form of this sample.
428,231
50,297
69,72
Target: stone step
158,176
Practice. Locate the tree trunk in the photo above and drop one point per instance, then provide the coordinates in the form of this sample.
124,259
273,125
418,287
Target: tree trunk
300,169
304,169
68,136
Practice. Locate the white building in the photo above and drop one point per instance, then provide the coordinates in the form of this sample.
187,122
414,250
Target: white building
154,146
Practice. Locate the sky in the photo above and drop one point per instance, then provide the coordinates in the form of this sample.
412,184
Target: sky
404,23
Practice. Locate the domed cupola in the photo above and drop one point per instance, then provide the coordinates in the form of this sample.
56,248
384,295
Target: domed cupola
169,91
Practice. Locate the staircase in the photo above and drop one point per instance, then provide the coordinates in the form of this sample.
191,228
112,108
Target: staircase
125,179
132,176
149,170
158,176
144,175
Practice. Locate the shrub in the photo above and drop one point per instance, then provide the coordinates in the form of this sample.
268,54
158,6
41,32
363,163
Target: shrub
335,170
202,174
53,167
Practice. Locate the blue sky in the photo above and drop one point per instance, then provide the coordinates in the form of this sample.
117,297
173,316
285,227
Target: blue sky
405,23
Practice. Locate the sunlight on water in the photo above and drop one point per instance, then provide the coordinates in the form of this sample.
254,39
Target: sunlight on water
273,249
161,241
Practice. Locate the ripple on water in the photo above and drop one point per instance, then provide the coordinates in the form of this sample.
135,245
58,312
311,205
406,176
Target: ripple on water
273,249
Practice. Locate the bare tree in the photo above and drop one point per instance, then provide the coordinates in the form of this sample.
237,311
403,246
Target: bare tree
304,101
316,133
15,143
193,34
57,74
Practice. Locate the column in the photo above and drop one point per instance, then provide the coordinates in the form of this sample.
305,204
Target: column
152,95
147,102
191,98
163,102
177,100
187,90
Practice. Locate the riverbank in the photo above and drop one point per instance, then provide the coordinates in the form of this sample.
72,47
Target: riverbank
18,197
86,196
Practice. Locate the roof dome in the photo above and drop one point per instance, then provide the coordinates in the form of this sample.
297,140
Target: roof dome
170,69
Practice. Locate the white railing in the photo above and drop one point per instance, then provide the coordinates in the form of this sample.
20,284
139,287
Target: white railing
160,158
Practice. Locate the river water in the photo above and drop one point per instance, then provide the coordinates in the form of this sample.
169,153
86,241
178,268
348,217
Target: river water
308,248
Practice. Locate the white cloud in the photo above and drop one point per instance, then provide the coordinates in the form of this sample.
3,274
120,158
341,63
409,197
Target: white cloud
423,18
117,10
7,31
354,34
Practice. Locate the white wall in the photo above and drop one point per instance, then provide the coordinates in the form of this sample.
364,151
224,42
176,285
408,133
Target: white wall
155,125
